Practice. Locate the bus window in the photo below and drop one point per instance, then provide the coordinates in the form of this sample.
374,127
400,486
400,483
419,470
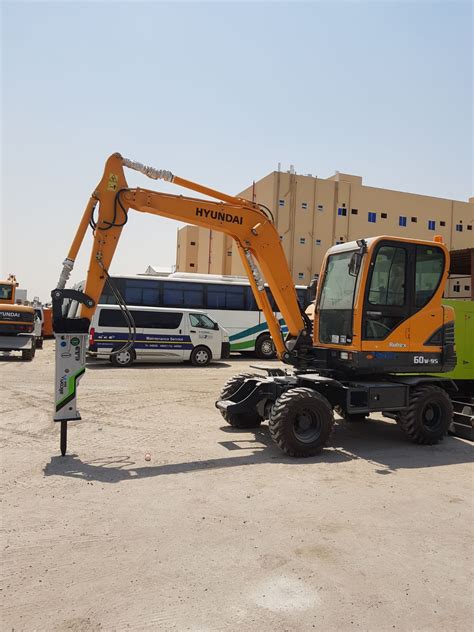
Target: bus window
177,294
225,297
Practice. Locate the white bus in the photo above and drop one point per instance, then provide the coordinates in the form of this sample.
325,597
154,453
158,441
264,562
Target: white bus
227,299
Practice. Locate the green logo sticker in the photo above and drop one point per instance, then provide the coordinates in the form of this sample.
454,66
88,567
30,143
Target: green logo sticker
75,342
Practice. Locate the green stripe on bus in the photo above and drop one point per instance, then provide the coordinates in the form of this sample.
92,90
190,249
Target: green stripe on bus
238,346
252,330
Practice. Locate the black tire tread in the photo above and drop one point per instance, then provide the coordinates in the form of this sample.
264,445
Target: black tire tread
408,421
27,355
279,414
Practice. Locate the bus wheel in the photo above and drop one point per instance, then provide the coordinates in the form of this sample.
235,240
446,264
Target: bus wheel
123,358
200,356
238,420
264,347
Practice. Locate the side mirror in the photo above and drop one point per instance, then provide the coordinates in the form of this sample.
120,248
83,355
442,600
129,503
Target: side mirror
216,326
354,264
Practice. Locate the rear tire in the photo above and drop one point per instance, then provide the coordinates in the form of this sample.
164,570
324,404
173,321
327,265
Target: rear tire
39,343
124,358
428,416
238,420
264,347
352,418
301,422
27,355
200,356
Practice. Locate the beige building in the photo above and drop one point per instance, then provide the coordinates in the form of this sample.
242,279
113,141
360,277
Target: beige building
312,214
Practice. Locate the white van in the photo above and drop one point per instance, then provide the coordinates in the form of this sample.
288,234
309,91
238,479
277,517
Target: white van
172,335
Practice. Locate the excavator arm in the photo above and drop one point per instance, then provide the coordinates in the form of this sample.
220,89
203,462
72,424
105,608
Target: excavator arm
251,227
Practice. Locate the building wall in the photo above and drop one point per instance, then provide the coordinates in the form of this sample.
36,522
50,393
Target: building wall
312,214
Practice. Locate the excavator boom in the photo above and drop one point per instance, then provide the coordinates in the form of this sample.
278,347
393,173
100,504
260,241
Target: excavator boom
251,227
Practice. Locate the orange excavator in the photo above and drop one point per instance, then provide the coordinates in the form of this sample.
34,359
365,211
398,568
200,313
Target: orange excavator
379,328
17,322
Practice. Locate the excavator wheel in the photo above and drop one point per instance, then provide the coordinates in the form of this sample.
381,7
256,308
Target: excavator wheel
27,355
301,422
348,417
237,420
428,416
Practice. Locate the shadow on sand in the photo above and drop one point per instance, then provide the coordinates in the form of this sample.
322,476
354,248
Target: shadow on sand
374,441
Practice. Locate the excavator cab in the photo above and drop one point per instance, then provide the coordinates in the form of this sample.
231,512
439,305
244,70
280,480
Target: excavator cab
379,308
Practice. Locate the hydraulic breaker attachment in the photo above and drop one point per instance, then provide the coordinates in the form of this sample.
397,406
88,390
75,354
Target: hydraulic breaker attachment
71,336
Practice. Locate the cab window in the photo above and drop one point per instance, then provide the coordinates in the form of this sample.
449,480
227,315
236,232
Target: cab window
387,286
428,273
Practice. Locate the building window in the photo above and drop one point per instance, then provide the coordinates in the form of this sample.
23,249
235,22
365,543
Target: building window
414,219
383,215
304,205
229,253
456,288
467,288
320,207
431,224
300,275
318,242
342,211
442,223
192,243
459,228
281,202
469,227
191,265
402,220
354,211
372,217
302,240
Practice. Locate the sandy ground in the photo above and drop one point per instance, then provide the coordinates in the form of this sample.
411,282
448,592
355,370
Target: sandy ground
220,531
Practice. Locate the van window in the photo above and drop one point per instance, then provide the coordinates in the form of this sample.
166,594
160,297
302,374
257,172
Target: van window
143,320
201,320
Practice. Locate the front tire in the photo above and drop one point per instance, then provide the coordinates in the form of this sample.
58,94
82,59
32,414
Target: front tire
264,347
200,356
301,422
429,415
123,358
238,420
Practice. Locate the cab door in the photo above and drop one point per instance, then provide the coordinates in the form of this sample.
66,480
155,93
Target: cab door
388,298
204,331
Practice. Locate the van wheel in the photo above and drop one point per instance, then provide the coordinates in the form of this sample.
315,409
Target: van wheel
264,347
201,356
123,358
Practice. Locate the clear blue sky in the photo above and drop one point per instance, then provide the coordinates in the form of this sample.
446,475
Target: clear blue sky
220,93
